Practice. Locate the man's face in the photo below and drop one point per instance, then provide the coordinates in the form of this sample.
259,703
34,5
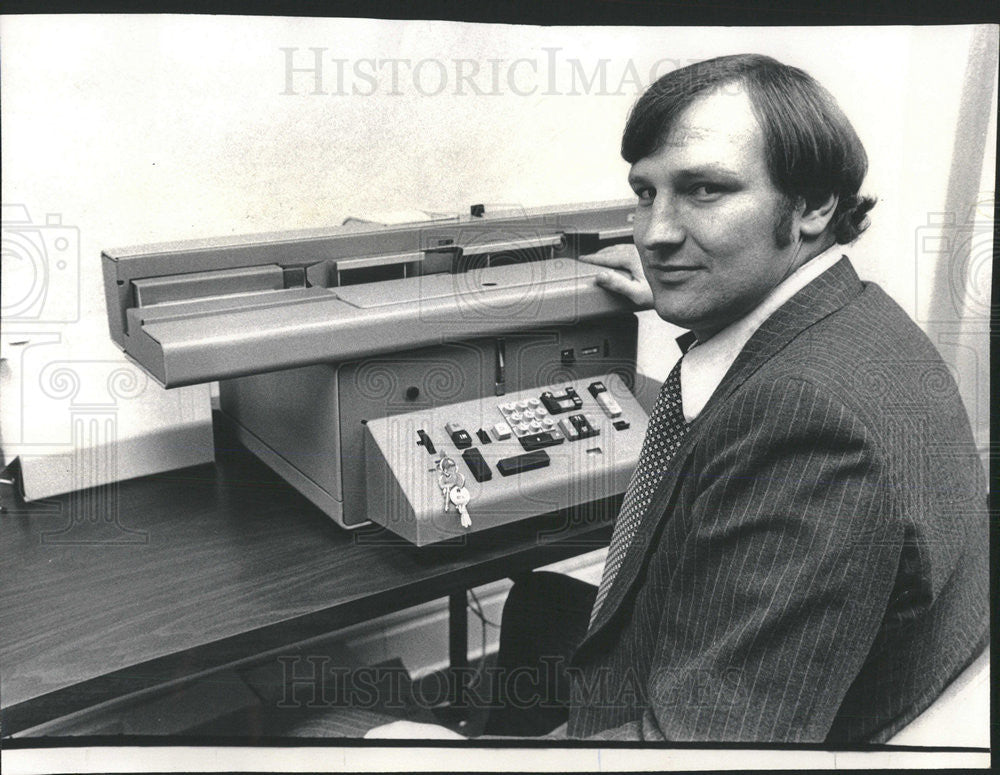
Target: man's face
705,221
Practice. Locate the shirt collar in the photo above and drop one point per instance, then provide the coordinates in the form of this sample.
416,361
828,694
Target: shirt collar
706,364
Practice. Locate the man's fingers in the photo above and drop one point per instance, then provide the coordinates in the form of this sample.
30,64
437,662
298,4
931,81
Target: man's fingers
637,291
616,257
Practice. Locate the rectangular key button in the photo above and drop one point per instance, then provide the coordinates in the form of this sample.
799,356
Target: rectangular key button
608,404
521,463
568,429
461,439
477,464
596,388
501,431
532,441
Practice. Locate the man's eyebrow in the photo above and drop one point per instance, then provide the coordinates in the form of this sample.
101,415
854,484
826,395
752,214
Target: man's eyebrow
709,169
706,169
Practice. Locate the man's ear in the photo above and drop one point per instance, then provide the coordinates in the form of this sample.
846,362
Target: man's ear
816,217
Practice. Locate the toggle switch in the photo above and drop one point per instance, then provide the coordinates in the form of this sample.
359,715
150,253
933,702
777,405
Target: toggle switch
425,441
604,399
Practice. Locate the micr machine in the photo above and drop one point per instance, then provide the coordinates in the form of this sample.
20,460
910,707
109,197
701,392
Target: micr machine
382,369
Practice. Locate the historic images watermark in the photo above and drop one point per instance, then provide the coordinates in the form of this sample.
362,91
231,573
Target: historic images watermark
319,71
316,682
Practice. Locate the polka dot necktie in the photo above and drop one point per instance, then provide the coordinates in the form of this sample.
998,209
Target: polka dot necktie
664,435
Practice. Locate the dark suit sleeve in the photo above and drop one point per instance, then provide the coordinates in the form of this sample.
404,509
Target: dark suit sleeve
789,557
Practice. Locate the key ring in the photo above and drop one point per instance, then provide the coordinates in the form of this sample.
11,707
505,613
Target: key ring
445,462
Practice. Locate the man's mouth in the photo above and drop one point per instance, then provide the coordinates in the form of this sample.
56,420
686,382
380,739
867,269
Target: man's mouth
673,273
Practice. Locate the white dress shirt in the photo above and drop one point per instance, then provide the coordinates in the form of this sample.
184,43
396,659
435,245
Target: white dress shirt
706,364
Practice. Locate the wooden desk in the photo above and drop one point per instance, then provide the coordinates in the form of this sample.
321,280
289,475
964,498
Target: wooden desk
122,588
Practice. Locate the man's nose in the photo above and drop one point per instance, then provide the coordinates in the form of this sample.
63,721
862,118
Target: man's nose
663,225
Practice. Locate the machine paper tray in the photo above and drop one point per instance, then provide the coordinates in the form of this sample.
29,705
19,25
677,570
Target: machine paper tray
192,342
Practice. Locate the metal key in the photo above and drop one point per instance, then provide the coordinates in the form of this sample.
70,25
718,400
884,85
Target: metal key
446,482
460,496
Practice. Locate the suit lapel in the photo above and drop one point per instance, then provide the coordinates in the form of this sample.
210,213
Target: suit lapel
826,294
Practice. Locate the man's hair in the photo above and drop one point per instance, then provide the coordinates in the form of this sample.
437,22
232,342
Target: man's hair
812,150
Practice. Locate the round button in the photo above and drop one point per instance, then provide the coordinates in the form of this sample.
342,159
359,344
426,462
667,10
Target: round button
534,401
522,404
522,426
535,425
529,415
515,417
507,408
548,422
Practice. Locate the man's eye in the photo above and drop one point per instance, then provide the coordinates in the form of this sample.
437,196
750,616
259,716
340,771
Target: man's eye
645,194
707,192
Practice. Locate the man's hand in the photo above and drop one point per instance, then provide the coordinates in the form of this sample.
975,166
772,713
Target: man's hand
630,281
411,730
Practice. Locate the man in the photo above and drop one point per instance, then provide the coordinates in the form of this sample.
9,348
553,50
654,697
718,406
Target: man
802,554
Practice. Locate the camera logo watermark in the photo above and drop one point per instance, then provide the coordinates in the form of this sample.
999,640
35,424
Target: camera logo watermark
957,252
41,268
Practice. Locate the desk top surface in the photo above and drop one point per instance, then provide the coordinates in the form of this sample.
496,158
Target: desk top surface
192,569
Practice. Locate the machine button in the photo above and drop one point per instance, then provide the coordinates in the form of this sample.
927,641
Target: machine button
561,402
608,404
584,426
533,441
459,436
522,404
621,425
515,417
533,402
569,430
484,437
604,399
535,425
521,463
501,431
477,464
529,415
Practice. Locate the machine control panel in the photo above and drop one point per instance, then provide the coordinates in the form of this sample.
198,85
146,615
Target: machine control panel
445,471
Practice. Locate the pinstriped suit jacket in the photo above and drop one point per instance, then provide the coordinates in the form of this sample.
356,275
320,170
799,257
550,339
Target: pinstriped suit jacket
814,565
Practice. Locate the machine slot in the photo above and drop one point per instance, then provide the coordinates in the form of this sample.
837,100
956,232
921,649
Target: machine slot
200,285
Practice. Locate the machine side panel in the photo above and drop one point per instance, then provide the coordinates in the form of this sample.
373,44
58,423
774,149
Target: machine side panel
400,382
297,414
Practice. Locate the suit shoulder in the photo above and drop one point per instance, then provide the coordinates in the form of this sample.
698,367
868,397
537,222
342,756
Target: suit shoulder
868,355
